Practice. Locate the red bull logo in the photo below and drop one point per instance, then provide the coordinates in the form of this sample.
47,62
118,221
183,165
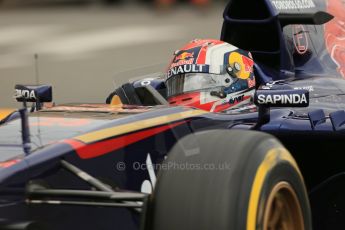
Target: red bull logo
184,56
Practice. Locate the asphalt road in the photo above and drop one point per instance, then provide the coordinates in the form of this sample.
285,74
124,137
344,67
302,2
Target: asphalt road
84,50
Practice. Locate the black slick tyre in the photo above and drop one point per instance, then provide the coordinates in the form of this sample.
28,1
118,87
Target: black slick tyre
229,179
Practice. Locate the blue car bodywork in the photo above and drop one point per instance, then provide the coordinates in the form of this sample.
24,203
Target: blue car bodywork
110,143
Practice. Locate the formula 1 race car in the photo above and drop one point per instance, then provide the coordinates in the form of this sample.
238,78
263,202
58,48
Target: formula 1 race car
147,160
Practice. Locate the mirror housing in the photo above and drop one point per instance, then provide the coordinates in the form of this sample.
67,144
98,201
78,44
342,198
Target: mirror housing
311,18
33,93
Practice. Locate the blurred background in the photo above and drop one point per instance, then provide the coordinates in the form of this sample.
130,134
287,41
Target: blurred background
85,48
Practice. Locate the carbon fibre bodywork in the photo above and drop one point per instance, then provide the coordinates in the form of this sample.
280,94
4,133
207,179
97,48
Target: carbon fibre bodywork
112,143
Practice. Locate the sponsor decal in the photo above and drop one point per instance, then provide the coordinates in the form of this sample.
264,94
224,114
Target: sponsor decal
300,39
188,69
33,93
270,85
146,81
282,98
185,57
240,65
182,62
236,100
310,88
25,93
293,4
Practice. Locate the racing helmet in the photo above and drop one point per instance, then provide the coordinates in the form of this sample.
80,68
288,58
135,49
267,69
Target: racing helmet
211,75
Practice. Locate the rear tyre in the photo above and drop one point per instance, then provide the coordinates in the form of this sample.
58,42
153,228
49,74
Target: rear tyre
229,180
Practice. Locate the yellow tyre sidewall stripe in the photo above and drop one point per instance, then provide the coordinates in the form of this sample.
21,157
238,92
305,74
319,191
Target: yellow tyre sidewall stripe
137,125
272,157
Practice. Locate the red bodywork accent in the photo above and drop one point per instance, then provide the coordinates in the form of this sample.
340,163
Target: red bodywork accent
87,151
193,100
335,33
9,163
190,99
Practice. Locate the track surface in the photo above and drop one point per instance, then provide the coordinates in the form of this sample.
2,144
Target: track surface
84,48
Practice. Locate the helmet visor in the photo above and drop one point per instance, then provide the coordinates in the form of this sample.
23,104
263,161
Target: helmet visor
190,82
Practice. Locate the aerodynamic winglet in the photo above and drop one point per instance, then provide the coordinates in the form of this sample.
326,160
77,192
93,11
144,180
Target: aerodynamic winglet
314,18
